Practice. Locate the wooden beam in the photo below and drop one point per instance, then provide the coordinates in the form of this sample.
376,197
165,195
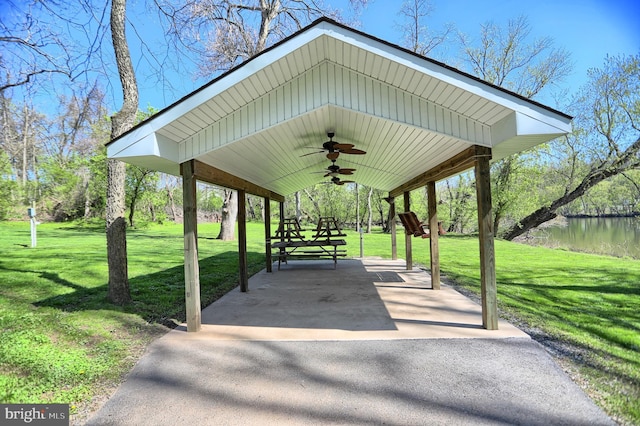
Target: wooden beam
487,250
407,238
242,240
456,164
267,233
191,266
392,227
434,246
209,174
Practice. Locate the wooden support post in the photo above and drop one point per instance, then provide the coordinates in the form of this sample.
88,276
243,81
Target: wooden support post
242,240
191,266
392,227
267,232
487,249
434,247
407,238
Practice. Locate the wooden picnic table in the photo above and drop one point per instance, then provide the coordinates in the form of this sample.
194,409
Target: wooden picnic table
291,243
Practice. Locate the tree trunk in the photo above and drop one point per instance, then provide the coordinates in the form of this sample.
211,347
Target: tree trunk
298,206
251,209
172,204
547,213
86,177
122,121
386,227
152,211
263,208
316,206
132,208
370,210
117,234
229,216
25,142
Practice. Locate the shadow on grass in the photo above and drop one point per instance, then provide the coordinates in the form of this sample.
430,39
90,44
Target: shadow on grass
158,297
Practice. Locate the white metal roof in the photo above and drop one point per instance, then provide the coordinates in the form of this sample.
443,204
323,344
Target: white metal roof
409,113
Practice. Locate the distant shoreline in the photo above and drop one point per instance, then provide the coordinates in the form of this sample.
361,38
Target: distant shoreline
586,216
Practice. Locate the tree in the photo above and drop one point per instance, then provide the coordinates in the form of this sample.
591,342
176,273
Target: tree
22,130
121,121
226,33
138,181
417,37
49,48
506,58
63,152
31,48
606,136
458,196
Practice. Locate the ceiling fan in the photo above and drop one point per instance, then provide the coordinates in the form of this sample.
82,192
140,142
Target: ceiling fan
334,149
334,170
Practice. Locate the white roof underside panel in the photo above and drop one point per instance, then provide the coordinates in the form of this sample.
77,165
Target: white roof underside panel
410,114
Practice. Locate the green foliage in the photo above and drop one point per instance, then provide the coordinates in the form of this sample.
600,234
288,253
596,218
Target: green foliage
457,203
64,186
209,199
7,186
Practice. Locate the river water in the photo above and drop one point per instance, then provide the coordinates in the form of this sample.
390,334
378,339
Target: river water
619,236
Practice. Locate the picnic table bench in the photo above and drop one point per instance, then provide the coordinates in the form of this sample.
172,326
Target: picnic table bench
309,249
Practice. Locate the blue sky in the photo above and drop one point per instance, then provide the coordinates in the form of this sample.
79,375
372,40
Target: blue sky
588,29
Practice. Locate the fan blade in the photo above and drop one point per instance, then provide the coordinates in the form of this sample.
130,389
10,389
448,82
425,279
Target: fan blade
346,171
343,146
311,153
353,151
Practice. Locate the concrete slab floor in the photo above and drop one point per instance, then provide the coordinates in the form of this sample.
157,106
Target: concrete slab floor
362,299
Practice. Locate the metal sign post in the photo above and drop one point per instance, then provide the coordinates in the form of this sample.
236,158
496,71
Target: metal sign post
32,214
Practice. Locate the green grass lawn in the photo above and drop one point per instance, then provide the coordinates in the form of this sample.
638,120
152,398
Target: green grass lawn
62,341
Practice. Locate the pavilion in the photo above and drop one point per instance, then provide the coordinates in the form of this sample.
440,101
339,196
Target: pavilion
419,120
